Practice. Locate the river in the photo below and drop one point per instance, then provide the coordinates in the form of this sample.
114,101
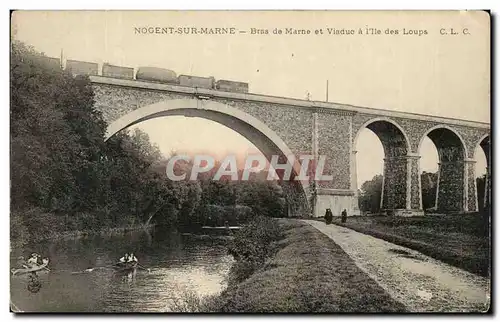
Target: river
179,266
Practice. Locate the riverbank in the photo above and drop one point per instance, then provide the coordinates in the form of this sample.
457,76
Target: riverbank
306,272
105,232
80,234
459,240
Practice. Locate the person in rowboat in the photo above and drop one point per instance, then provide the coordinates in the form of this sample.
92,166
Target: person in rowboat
33,260
125,258
132,258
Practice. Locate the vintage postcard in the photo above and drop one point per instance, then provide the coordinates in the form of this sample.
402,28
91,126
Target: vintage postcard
250,161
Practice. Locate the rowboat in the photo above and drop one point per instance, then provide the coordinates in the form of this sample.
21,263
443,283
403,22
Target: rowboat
22,271
125,267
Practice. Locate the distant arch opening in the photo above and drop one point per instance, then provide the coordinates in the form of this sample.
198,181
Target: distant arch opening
370,167
429,167
482,157
392,167
450,188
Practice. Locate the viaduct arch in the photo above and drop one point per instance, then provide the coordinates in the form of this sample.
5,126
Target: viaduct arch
485,144
265,139
396,147
451,193
283,126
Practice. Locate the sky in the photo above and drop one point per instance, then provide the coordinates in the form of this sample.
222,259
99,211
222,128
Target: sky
433,74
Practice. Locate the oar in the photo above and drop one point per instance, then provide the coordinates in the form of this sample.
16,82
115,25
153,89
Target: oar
88,270
144,268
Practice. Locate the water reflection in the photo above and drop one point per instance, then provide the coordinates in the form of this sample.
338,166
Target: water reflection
176,264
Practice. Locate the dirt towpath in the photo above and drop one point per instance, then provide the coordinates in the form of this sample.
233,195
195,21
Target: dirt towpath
419,282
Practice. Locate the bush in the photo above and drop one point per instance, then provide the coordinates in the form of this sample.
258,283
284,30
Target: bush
216,215
41,225
81,221
253,245
19,234
243,214
188,301
241,270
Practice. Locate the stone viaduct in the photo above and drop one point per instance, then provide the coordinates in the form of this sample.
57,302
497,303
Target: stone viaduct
285,126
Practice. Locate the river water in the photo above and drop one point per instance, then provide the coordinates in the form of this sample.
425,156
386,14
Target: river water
179,266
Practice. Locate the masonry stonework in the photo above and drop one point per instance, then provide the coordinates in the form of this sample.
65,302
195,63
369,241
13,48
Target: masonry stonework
415,197
291,124
451,187
395,183
471,186
329,129
334,127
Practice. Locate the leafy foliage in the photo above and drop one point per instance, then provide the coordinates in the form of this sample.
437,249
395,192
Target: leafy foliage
371,191
370,194
64,176
481,181
253,245
429,186
216,215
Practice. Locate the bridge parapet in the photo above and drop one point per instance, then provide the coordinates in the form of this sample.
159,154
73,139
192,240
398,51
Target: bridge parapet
162,79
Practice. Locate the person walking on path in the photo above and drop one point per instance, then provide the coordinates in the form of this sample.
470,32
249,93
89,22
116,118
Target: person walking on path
344,216
328,216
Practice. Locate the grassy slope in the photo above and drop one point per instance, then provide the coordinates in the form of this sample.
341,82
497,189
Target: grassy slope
459,240
310,273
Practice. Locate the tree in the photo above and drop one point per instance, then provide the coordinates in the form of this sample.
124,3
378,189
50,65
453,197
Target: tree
429,186
65,176
370,194
56,134
265,197
480,191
